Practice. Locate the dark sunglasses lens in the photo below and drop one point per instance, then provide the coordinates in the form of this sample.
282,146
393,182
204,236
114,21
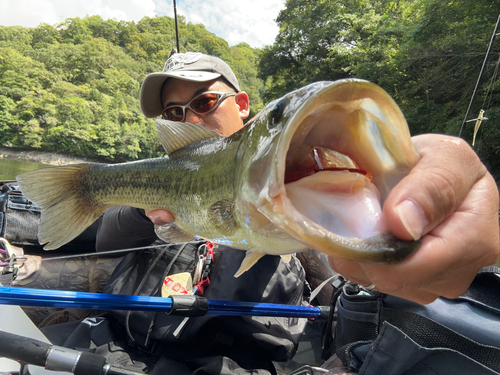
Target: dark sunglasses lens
204,103
173,114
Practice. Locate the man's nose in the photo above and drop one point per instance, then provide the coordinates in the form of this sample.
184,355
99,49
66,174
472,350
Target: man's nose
192,117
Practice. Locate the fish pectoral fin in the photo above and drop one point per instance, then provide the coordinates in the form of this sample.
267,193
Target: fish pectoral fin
286,258
248,262
221,215
176,135
171,233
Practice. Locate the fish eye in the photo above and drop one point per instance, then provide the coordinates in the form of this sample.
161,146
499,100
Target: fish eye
277,112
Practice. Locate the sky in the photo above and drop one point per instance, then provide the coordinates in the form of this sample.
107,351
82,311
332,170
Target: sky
236,21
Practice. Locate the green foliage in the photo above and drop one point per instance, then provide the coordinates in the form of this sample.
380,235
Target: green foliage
74,87
245,60
44,35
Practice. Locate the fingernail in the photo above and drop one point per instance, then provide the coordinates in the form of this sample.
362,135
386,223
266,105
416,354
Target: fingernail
412,217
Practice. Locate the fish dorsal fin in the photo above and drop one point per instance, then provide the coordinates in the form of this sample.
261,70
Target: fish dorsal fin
175,135
171,233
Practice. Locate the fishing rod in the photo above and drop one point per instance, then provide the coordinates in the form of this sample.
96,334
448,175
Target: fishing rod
180,305
55,358
176,28
480,74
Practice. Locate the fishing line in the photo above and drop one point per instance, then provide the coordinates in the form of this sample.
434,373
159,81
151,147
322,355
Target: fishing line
109,252
489,92
480,74
484,107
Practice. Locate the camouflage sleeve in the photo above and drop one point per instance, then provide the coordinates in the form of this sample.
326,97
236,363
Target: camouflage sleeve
124,227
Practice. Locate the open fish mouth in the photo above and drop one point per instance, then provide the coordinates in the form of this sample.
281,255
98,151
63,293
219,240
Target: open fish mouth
340,155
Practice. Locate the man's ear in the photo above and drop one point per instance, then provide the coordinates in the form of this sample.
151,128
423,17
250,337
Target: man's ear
243,104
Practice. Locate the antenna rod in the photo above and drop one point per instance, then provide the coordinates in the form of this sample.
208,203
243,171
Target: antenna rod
176,28
480,74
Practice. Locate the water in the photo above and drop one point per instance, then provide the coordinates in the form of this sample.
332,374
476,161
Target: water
10,168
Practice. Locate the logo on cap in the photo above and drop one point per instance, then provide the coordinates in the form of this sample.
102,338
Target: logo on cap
179,60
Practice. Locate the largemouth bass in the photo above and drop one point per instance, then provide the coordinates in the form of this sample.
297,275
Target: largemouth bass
312,170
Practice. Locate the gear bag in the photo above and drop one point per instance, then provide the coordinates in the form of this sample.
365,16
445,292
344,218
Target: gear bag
19,218
380,334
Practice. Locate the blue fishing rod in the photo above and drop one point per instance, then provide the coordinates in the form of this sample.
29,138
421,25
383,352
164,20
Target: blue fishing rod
183,305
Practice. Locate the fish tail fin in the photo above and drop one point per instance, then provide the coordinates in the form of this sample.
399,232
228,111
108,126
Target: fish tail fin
66,210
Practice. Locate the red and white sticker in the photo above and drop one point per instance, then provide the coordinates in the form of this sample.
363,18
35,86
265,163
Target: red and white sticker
178,284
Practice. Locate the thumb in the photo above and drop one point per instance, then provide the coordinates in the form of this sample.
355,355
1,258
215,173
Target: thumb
435,187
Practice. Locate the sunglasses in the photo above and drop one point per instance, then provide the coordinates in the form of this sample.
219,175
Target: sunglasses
201,105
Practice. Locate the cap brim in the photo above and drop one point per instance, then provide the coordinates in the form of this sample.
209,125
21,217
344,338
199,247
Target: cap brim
150,96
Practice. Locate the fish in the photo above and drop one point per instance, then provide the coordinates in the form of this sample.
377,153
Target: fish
310,170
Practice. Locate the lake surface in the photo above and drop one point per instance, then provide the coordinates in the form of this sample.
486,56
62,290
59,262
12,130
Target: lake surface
10,168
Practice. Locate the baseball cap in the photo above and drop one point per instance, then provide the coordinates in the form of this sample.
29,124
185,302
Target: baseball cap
188,66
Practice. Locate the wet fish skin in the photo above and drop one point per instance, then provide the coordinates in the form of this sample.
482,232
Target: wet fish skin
232,190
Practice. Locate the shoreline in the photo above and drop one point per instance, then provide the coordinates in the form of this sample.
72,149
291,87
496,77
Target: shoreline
44,157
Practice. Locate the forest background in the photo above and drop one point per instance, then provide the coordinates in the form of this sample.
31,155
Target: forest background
73,87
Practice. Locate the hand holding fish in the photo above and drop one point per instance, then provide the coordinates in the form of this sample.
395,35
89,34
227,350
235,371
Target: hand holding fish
452,200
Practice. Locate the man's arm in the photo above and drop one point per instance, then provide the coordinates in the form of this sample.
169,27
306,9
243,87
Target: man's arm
124,227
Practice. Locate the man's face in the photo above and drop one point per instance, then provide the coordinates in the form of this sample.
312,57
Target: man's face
224,120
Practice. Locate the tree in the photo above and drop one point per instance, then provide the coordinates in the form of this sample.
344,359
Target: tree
245,61
74,30
44,35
